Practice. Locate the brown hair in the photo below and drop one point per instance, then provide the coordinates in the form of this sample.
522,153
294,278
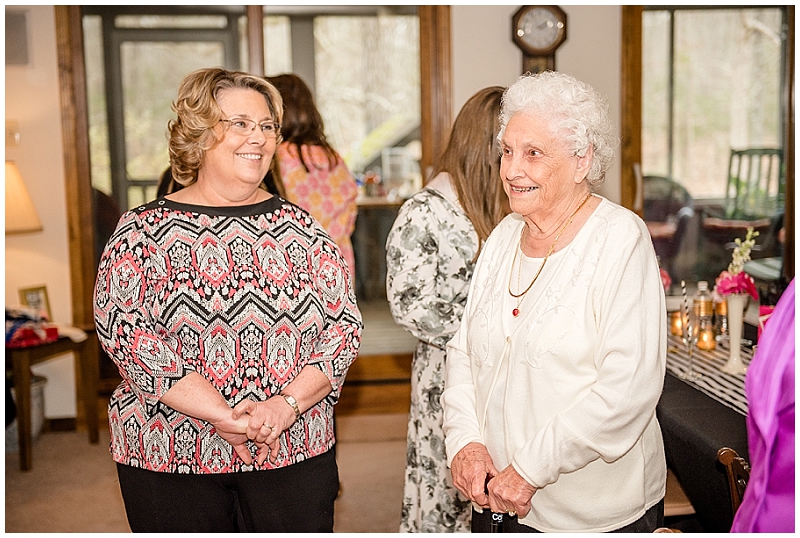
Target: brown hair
198,113
472,159
302,122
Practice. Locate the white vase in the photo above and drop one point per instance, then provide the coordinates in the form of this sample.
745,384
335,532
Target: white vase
736,305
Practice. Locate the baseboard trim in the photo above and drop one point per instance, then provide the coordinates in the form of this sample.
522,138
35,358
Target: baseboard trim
61,424
377,384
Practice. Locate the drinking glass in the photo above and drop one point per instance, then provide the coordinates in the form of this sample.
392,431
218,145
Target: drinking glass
690,341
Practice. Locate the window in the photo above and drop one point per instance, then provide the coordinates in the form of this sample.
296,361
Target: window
362,63
367,81
135,61
363,71
277,45
713,81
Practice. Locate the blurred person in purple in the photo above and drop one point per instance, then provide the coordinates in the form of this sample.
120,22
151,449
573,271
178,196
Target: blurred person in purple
768,503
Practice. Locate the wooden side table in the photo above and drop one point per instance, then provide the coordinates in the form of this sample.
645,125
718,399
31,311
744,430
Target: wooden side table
21,360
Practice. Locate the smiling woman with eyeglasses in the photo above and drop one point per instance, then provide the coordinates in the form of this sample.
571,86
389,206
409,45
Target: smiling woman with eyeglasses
243,126
231,316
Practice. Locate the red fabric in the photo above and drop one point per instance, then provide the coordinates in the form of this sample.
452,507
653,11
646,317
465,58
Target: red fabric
764,313
29,337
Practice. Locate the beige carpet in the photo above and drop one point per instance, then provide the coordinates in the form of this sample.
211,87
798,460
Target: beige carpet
73,484
381,334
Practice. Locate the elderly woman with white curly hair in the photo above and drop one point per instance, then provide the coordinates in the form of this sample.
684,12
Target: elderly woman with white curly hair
554,374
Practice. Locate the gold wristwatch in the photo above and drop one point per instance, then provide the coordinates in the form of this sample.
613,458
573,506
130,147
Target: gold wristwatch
293,403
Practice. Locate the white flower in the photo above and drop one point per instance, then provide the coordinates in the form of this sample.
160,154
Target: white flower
741,253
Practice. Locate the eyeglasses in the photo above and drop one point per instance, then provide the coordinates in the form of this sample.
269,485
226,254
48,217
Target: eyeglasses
242,126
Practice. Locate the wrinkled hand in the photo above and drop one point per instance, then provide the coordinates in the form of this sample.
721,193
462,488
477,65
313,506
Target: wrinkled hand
266,421
509,492
234,431
470,469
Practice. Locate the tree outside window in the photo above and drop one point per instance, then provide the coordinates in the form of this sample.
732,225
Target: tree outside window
712,79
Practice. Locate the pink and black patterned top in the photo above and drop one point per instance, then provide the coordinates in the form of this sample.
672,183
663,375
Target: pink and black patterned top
246,296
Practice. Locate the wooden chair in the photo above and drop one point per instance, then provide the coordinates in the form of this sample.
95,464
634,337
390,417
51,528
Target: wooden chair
755,193
756,185
738,471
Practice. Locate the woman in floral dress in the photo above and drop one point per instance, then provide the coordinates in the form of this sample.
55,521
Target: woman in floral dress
430,255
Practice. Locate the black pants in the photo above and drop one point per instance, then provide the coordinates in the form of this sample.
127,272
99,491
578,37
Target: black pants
297,498
650,521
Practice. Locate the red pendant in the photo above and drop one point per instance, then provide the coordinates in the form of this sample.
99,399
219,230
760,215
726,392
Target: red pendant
515,312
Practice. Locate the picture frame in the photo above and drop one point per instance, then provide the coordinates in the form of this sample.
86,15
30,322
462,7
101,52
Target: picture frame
36,297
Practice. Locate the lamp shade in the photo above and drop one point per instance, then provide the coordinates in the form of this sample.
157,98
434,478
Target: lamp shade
21,216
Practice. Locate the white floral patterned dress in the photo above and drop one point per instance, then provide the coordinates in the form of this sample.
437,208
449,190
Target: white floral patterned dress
429,254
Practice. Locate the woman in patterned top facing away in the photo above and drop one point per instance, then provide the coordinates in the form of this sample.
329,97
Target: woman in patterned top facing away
430,254
308,171
232,319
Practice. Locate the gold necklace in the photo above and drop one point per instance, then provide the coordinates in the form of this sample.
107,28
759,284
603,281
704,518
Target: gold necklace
520,296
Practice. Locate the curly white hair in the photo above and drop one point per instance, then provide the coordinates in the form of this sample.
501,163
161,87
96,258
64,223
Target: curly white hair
576,109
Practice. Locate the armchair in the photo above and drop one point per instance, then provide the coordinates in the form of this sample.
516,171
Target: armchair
668,210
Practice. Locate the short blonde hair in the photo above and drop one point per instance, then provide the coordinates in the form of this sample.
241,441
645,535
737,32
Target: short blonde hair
192,132
577,109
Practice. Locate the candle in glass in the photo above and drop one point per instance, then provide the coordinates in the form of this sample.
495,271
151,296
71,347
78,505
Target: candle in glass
677,322
706,340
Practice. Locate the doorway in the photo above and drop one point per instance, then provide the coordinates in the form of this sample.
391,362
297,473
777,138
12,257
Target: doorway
435,114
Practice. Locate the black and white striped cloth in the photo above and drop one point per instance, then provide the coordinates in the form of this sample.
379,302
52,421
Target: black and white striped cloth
725,388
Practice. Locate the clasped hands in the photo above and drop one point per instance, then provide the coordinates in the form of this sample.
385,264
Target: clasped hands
476,477
260,422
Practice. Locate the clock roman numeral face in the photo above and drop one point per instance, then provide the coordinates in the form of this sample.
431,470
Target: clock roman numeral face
539,28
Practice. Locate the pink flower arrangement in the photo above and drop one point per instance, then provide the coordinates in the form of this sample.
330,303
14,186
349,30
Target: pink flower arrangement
666,281
728,283
735,280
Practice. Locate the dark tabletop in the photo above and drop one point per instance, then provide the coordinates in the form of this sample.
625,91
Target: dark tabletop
694,427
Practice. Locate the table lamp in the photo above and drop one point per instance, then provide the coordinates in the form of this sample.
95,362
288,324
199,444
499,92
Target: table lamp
21,216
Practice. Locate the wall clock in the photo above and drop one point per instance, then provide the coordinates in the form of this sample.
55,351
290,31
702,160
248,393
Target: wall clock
538,31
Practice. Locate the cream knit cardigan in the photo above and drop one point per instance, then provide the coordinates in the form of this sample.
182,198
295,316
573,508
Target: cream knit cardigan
575,381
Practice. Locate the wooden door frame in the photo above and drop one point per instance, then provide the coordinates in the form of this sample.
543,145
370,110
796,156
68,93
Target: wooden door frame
436,113
436,88
631,106
631,120
77,167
